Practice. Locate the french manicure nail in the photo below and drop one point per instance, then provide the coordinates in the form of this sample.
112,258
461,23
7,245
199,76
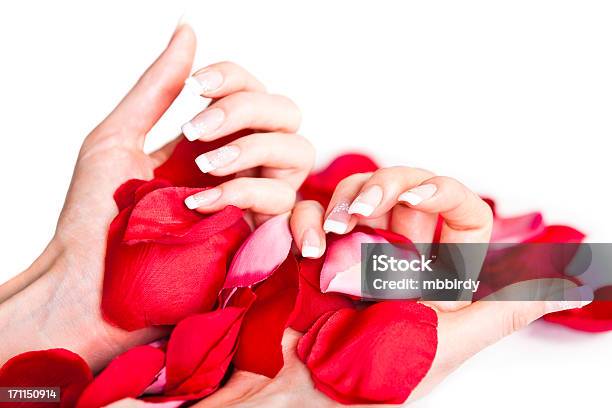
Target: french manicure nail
202,198
572,298
417,195
203,124
367,201
337,221
202,83
217,158
311,244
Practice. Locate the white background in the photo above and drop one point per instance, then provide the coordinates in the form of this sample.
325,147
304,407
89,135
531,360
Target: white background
512,98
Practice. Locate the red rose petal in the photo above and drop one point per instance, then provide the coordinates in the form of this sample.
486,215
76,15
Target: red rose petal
311,303
201,348
321,185
259,345
165,262
517,229
261,253
47,368
180,168
594,317
375,355
128,375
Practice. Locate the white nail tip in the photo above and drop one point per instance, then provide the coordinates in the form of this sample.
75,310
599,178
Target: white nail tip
360,208
336,227
204,164
310,251
194,86
190,131
411,198
191,203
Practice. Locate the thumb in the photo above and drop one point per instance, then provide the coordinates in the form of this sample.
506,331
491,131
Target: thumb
497,316
154,92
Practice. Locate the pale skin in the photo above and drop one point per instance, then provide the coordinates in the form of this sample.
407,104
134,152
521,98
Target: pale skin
56,302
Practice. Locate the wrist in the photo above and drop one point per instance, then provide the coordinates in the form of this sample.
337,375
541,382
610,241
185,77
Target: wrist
56,304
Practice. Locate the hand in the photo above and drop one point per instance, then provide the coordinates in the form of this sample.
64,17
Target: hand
461,334
404,200
60,294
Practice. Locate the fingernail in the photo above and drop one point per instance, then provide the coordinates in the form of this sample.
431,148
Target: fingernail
572,298
217,158
337,221
417,195
203,124
205,197
311,244
204,82
367,201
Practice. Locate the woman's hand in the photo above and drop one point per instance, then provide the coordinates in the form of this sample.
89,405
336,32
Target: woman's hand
271,164
60,294
461,334
401,199
407,201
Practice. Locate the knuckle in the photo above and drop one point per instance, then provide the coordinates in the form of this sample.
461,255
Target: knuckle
348,181
292,107
308,205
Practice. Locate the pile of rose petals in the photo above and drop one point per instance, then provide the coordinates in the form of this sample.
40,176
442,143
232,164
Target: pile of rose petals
230,293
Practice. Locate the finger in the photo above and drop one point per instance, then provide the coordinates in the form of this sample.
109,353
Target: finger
244,110
221,79
467,218
379,195
306,222
153,93
261,195
487,321
291,155
337,217
418,226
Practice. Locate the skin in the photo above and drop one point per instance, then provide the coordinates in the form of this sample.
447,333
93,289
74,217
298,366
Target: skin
55,303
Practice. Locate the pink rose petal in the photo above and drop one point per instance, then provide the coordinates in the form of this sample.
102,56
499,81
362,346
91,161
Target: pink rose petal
261,253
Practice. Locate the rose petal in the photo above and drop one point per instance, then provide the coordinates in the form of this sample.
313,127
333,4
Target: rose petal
180,168
375,355
47,368
165,262
259,345
539,257
517,229
201,348
128,375
594,317
311,303
341,271
321,185
261,253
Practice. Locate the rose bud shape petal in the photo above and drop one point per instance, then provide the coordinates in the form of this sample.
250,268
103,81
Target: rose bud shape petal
259,344
47,368
375,355
164,261
128,375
